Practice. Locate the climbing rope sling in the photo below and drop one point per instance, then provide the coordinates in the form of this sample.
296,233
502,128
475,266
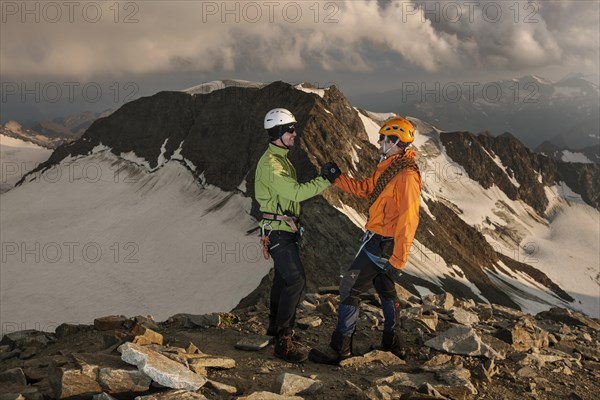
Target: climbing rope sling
397,166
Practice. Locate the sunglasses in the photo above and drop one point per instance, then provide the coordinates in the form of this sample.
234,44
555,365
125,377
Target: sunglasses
291,129
391,139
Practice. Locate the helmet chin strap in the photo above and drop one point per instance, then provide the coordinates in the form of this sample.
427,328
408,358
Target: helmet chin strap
282,142
384,154
281,139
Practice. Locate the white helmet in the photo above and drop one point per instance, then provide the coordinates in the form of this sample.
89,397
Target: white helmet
279,116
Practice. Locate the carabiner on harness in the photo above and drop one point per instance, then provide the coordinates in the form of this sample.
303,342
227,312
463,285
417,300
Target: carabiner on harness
264,239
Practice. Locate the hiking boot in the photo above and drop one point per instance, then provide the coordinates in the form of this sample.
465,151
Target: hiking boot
339,349
287,349
391,342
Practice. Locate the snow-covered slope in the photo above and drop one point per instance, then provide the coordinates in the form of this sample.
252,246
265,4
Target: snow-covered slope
570,156
308,88
209,87
564,245
18,157
100,235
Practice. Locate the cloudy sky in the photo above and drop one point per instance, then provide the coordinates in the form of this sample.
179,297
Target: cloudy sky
60,56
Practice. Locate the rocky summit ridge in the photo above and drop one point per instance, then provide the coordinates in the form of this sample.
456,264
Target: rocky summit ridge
453,348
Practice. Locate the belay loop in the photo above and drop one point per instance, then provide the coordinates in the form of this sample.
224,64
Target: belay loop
290,221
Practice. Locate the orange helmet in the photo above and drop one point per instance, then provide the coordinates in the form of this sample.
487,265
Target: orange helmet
399,127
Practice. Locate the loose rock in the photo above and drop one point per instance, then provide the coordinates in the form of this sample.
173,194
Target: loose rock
375,355
568,317
64,330
145,336
221,387
160,368
438,359
444,301
110,323
207,361
309,322
203,321
449,381
463,317
173,395
253,342
327,309
269,396
71,381
27,338
525,335
291,384
14,376
462,340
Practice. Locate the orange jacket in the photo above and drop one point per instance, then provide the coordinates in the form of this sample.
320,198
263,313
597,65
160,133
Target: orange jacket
395,213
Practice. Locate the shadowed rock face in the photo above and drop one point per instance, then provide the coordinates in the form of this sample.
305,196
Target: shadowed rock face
583,179
222,135
222,132
532,171
221,138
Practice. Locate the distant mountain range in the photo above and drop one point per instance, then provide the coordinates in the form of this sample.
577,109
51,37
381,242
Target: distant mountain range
590,154
533,109
71,127
15,130
22,148
53,133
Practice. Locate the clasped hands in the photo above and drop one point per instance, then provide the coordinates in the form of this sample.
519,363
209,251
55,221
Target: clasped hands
330,171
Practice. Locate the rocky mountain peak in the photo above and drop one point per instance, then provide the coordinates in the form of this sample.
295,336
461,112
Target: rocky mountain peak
17,131
13,126
218,137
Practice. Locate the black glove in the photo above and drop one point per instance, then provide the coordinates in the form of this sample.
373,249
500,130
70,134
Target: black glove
391,271
330,171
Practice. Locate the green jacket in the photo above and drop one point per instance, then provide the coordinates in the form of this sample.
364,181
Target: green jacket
276,187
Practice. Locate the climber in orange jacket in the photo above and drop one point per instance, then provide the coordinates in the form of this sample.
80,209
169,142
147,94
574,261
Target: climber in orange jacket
394,192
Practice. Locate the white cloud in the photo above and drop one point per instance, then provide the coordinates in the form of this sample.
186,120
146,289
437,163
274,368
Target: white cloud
204,36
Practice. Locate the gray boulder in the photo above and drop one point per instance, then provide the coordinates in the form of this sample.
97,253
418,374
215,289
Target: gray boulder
160,368
291,384
462,340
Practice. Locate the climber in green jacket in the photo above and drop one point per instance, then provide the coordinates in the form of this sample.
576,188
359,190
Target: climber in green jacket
279,195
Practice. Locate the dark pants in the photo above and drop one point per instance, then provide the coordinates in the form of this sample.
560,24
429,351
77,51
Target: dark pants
362,273
289,280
